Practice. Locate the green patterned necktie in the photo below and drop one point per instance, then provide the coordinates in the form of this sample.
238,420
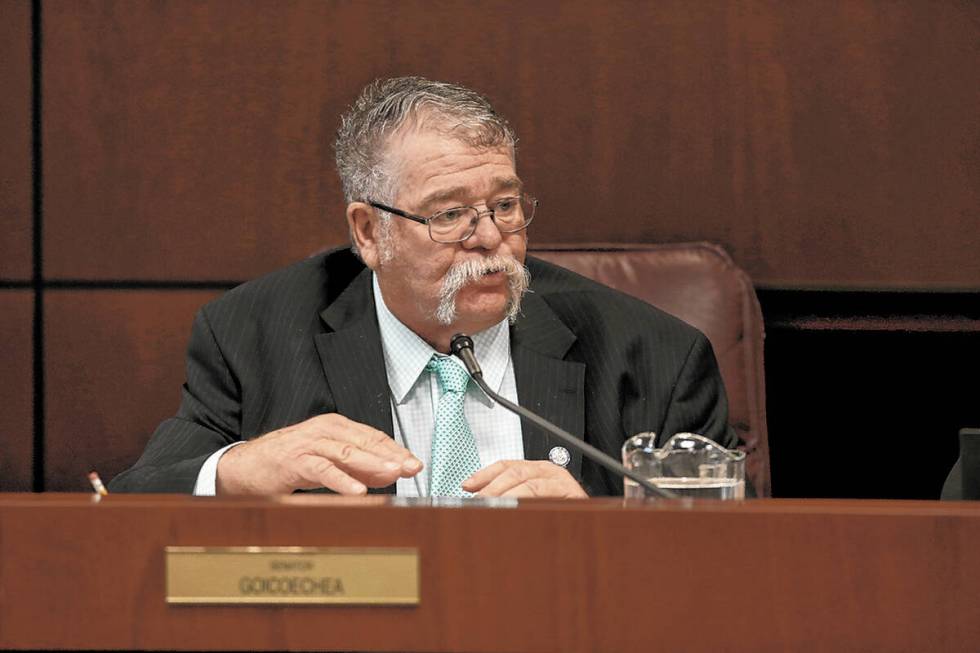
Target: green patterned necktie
454,454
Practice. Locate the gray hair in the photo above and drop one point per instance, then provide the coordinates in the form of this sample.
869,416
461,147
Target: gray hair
385,105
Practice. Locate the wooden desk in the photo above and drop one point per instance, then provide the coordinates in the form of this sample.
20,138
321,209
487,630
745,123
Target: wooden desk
592,575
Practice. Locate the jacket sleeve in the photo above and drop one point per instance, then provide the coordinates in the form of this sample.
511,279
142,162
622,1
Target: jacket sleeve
698,403
208,419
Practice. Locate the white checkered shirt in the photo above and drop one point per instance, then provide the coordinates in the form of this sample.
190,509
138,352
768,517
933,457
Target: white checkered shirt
415,395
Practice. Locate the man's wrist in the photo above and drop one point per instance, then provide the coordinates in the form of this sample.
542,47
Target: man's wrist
226,480
206,484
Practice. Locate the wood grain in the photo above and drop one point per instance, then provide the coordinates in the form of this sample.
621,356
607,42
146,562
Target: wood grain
16,391
824,145
114,365
572,576
16,220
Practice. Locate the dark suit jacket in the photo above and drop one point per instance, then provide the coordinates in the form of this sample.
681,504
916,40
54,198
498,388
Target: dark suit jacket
304,341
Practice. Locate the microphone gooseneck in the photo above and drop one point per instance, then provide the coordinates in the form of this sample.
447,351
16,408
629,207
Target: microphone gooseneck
461,346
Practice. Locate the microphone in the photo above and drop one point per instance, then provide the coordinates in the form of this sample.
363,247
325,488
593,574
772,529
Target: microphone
461,346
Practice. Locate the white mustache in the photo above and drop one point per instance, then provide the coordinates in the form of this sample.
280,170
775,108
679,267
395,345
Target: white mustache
468,271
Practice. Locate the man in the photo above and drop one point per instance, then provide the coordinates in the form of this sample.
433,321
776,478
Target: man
333,373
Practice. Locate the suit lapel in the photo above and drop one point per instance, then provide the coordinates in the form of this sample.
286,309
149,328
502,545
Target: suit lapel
353,360
546,383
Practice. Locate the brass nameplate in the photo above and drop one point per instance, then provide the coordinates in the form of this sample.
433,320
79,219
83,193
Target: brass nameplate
292,574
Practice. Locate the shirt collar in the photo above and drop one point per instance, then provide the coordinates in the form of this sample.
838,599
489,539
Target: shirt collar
406,354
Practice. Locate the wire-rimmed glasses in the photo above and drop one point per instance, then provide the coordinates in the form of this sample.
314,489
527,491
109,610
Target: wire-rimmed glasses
510,214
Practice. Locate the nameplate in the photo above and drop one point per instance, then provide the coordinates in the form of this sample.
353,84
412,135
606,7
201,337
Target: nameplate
294,575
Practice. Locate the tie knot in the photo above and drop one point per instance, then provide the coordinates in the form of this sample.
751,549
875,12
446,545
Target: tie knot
452,377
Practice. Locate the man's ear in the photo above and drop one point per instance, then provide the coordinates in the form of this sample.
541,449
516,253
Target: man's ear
362,220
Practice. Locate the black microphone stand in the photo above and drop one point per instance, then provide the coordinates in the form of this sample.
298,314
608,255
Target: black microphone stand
461,346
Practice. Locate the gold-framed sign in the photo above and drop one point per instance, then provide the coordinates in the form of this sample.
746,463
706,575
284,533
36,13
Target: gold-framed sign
291,575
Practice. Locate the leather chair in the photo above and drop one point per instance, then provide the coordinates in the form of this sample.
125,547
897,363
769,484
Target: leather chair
700,284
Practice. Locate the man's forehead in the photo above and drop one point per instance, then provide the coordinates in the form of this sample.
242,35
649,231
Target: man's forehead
433,164
433,125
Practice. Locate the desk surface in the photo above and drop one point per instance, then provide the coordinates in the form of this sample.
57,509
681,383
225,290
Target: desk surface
590,575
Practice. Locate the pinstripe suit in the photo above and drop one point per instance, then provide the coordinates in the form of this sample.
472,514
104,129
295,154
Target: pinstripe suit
304,341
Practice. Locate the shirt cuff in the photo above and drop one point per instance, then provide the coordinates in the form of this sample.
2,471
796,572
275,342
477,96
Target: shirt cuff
207,478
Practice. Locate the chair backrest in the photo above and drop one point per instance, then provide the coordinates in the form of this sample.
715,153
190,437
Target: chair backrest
700,284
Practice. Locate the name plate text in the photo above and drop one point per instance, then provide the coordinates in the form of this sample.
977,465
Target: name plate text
298,575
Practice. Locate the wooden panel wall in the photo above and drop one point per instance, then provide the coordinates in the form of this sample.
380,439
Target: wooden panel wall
824,144
16,391
114,370
16,250
15,141
188,146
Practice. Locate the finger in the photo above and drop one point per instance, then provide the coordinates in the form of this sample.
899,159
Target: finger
527,478
484,476
512,476
559,487
337,427
370,469
320,472
530,489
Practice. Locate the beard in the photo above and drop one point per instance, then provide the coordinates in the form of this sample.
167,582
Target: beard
463,273
466,272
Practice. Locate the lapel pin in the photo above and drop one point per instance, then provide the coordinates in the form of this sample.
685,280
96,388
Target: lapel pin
559,456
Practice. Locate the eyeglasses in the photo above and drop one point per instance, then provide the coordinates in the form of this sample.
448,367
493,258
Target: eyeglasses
510,214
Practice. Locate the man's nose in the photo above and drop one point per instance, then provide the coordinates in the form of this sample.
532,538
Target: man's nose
487,235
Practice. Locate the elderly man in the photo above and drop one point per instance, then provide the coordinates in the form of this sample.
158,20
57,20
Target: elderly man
334,373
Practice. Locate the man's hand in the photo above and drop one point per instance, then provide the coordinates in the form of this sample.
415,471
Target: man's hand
524,478
328,451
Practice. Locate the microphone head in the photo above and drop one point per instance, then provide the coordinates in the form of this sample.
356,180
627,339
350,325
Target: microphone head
462,347
459,342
